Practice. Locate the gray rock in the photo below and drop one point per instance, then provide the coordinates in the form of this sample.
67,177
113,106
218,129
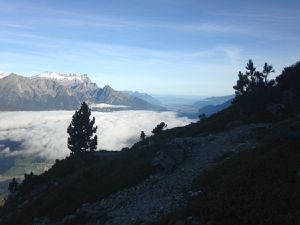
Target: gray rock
194,194
276,109
179,222
233,124
69,220
173,154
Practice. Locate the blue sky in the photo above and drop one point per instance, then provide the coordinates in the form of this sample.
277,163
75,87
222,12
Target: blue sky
182,47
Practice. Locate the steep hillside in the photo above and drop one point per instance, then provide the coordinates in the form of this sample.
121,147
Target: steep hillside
144,96
113,97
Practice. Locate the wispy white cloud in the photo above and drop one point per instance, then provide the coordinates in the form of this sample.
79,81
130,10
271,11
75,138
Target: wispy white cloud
267,15
12,25
234,55
58,18
143,40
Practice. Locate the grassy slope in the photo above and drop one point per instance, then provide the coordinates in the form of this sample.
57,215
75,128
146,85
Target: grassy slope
254,188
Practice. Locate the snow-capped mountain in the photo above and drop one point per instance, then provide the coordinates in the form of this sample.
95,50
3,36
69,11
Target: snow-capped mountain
53,91
64,77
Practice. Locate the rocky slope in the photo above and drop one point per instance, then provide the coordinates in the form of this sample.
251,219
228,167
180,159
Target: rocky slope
181,161
178,162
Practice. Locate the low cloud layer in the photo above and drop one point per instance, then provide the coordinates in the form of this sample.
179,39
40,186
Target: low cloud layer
45,133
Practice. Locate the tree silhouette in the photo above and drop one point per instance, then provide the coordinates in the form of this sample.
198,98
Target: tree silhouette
252,80
290,79
202,116
143,136
158,129
13,186
81,131
268,69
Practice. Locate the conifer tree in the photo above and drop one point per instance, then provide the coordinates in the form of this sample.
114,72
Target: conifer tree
13,186
143,136
159,128
252,80
82,131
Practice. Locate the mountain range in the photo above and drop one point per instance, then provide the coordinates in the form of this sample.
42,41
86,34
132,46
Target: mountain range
54,91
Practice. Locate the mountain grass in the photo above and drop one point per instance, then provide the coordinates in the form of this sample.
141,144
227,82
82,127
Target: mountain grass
257,187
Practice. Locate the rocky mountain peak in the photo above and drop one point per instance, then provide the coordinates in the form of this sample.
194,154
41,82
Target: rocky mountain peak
108,88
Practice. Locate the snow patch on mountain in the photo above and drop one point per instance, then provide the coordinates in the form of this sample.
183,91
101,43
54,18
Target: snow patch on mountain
103,106
2,74
83,78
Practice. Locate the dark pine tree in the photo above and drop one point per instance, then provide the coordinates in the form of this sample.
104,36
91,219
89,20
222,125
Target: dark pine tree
143,136
82,131
159,128
252,82
13,186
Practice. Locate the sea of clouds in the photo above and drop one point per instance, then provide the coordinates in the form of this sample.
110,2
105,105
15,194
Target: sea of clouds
44,133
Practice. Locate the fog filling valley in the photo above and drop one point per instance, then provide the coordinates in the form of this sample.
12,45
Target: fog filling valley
44,133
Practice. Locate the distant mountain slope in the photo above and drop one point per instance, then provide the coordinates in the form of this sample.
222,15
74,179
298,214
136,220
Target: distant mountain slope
213,101
21,93
110,96
144,96
211,109
53,91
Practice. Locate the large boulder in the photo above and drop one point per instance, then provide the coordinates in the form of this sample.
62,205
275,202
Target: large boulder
171,155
